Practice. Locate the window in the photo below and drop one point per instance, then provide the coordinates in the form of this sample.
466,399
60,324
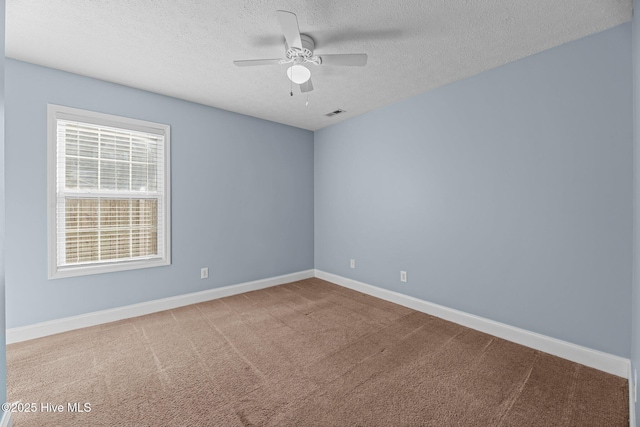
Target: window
108,192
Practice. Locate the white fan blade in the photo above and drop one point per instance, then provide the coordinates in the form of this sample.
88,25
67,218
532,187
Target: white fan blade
289,24
306,86
252,62
349,59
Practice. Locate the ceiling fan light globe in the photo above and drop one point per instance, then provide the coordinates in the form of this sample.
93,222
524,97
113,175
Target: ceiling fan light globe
298,74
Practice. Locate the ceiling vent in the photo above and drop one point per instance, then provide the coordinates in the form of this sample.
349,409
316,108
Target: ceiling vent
333,113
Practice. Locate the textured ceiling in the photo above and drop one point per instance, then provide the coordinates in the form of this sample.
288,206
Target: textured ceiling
185,48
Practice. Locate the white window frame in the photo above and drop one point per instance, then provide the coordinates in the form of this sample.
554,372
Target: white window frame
58,112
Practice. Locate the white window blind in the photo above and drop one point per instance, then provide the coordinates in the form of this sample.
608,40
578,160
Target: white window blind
111,193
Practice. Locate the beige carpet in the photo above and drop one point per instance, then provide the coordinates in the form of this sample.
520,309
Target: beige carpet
308,353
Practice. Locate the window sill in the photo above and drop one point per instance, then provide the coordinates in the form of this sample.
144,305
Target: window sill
86,270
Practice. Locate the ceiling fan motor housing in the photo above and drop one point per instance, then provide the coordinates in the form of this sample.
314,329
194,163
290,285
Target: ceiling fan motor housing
307,48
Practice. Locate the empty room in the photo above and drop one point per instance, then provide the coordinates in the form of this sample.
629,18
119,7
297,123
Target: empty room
319,213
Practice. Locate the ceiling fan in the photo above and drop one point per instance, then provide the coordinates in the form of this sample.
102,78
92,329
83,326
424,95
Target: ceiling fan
299,51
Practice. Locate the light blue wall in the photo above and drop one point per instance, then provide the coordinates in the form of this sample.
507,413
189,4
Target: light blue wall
635,331
507,195
242,197
3,369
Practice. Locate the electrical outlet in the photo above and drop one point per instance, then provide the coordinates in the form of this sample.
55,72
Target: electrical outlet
403,276
204,273
353,263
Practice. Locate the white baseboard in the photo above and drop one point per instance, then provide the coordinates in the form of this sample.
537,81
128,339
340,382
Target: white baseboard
24,333
606,362
6,420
